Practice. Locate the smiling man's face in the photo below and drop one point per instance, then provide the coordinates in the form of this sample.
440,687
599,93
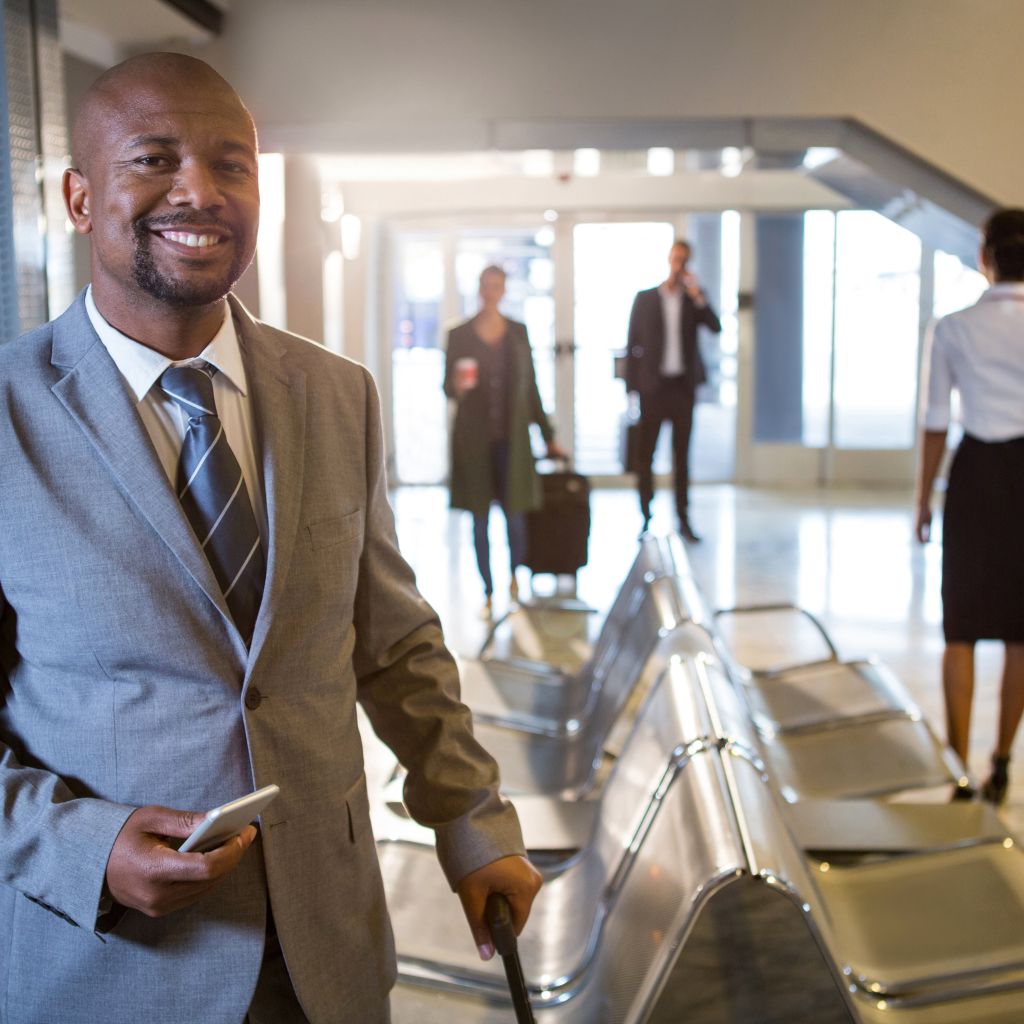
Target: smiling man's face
167,188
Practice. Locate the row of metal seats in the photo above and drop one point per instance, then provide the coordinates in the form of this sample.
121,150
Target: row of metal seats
735,773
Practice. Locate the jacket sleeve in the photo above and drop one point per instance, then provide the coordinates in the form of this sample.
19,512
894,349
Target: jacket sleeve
409,687
54,845
537,413
450,358
707,317
634,347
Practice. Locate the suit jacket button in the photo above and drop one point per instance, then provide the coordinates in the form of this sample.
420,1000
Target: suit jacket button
253,698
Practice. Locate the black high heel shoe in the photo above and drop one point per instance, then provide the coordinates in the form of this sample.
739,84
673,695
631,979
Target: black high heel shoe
995,786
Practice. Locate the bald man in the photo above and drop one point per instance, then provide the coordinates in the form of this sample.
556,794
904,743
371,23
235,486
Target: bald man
199,578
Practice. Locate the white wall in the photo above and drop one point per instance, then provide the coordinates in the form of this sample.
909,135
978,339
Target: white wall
937,76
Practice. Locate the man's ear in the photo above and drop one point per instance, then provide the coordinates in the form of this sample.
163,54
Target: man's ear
75,190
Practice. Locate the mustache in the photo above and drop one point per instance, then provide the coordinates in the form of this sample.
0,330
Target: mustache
194,219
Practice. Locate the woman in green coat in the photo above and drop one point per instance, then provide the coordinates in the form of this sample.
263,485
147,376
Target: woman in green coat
489,373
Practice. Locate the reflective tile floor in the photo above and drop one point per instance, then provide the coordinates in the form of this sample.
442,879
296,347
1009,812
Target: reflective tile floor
846,555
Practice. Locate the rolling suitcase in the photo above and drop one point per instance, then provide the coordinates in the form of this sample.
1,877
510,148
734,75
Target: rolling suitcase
557,532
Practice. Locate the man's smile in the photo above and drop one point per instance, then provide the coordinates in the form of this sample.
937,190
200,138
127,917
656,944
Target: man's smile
191,239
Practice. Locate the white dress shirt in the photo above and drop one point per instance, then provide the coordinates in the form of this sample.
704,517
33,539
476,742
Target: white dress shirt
164,419
980,352
672,362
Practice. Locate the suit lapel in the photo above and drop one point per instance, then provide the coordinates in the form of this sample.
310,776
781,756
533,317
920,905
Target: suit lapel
278,395
98,400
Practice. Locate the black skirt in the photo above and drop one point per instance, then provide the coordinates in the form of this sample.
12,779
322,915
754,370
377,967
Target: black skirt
983,543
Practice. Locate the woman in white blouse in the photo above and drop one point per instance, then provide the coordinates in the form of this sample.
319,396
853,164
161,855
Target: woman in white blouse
979,351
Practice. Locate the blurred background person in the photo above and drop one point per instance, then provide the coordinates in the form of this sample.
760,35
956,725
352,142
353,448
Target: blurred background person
979,351
664,368
489,373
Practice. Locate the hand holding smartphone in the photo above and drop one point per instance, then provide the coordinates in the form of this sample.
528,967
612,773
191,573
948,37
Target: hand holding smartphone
228,820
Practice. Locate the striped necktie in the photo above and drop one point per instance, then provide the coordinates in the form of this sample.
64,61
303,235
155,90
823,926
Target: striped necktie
212,492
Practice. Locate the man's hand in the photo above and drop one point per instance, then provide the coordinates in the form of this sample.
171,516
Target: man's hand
693,289
146,873
556,451
516,878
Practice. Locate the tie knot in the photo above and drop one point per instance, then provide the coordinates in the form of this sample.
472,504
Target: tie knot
192,388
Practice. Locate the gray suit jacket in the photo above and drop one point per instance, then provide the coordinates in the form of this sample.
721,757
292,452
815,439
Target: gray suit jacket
123,682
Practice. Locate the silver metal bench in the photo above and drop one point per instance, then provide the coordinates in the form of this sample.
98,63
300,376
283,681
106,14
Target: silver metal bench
512,696
664,752
914,930
563,635
687,847
567,761
827,729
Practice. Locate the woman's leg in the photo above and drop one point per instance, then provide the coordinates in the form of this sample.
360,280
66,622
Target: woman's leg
958,687
516,539
482,546
515,522
1011,700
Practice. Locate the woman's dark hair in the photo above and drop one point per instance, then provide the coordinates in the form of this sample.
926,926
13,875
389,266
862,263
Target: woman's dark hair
1004,244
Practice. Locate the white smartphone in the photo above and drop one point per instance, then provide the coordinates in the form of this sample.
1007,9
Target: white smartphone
228,820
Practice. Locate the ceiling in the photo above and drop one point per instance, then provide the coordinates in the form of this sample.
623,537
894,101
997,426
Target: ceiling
130,25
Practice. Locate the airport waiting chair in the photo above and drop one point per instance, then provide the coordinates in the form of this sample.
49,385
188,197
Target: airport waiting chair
566,760
570,911
814,695
924,935
773,638
559,705
687,846
557,635
841,758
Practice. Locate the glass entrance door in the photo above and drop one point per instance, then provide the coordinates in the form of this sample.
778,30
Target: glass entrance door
435,281
612,261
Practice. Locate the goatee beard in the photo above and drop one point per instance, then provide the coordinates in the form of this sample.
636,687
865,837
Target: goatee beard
184,293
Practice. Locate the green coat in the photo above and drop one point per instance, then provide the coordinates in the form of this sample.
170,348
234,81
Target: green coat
470,476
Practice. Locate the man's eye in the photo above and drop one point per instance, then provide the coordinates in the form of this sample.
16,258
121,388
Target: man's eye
152,161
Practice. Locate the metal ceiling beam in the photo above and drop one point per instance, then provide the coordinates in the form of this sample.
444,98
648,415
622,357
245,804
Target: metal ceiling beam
202,12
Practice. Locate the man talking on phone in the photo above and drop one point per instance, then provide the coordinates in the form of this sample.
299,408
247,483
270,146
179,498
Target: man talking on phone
664,368
199,578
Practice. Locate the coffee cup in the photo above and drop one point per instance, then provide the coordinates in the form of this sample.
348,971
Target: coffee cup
467,374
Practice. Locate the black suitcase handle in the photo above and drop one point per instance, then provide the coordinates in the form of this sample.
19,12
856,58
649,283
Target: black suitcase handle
499,920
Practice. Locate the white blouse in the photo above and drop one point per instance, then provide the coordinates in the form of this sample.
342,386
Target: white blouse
979,351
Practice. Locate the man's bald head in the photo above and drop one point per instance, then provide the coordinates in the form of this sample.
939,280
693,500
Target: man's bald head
166,185
133,83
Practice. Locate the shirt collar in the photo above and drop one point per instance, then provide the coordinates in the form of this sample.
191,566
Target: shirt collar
141,367
1004,290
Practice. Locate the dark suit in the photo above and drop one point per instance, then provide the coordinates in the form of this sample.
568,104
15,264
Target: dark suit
665,398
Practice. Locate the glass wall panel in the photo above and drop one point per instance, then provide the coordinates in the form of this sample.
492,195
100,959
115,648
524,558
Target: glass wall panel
715,237
956,285
611,263
417,365
876,336
819,267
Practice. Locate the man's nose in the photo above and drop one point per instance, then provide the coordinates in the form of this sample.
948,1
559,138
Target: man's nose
195,185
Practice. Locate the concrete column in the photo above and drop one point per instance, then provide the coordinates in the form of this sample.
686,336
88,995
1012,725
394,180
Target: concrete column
303,247
778,368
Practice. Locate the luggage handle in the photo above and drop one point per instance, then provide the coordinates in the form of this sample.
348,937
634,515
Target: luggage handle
565,462
499,920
